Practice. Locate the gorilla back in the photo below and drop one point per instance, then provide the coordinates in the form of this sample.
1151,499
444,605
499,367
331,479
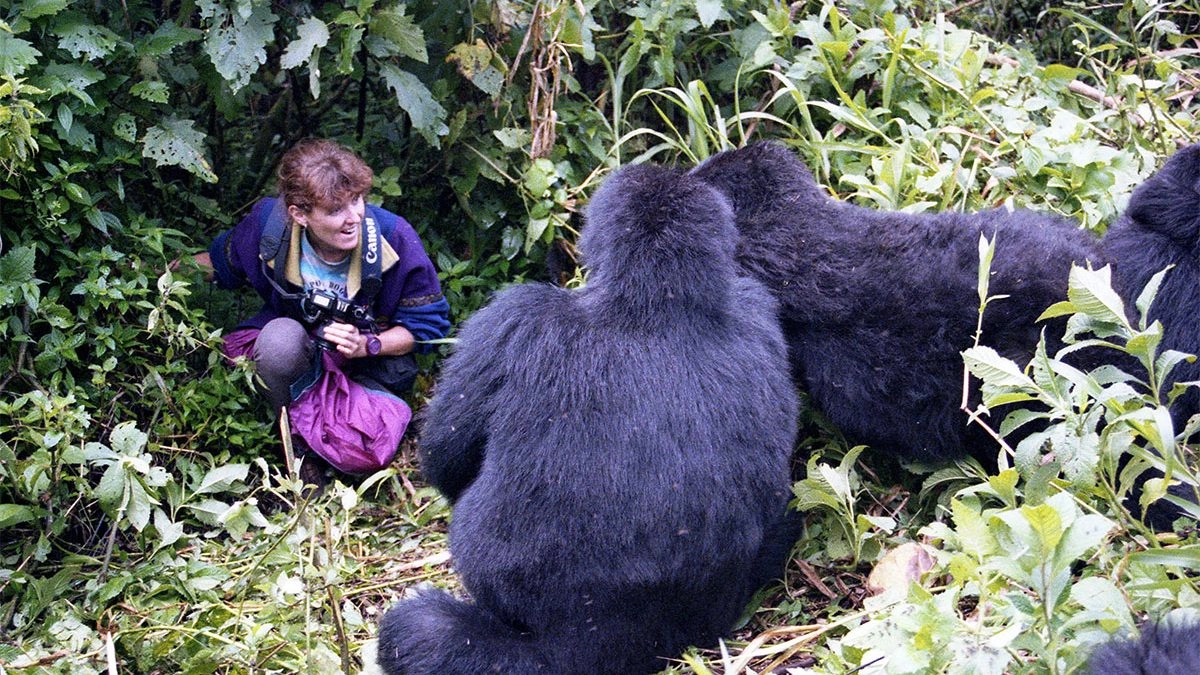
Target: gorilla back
617,456
878,306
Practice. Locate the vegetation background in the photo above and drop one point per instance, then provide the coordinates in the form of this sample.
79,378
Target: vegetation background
146,522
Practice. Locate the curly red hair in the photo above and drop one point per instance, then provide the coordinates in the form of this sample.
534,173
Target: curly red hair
321,172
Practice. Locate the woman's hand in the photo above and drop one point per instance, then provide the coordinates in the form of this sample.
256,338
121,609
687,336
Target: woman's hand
352,342
347,338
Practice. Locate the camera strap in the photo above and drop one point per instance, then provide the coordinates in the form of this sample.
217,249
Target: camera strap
274,244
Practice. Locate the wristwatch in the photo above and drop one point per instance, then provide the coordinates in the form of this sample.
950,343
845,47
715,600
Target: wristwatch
373,344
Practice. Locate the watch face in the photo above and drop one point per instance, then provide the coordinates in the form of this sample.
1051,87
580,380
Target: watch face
373,345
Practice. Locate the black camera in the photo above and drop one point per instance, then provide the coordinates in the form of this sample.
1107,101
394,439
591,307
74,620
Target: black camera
321,308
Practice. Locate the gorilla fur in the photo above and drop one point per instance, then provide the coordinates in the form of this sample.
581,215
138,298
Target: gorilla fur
1161,227
878,306
1161,649
618,456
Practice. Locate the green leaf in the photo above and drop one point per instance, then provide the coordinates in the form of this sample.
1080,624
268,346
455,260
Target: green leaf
111,490
18,265
1046,524
15,514
986,364
16,54
400,32
708,11
474,61
1187,557
428,116
154,91
1146,298
175,142
166,38
127,439
221,478
1092,294
313,35
86,40
236,41
33,9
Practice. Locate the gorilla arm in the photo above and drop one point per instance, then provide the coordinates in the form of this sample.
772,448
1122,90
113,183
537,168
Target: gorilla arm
454,437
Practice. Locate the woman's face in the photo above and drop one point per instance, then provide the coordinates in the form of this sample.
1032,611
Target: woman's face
332,232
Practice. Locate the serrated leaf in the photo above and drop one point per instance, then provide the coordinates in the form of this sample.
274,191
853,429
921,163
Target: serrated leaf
175,142
16,54
86,40
986,364
401,33
127,439
474,61
312,35
32,9
154,91
708,11
18,265
221,478
15,514
1146,298
427,115
1092,294
236,41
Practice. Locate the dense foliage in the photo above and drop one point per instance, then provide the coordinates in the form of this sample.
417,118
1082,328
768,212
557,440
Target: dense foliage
145,518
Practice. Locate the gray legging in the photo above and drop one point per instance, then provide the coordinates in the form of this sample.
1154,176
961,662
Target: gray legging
282,353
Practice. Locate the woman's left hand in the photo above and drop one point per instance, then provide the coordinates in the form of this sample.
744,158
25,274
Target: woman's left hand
349,340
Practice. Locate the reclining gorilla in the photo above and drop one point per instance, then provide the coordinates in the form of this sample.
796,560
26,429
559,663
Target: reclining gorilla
878,306
618,456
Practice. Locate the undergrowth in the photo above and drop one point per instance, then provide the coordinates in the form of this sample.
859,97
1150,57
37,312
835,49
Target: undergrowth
146,521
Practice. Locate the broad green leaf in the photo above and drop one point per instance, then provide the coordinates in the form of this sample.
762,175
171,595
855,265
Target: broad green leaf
1046,524
709,11
222,478
236,41
110,491
17,266
168,532
313,34
402,35
86,40
33,9
176,142
15,514
127,439
474,61
154,91
1085,534
428,116
986,364
1092,294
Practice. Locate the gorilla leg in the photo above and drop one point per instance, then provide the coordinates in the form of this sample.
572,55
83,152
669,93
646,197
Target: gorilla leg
434,633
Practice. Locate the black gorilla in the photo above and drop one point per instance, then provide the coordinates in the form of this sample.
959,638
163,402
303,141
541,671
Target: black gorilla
877,306
1161,227
1162,649
618,456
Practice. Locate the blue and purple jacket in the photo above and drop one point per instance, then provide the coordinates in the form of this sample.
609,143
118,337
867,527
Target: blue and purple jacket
409,294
